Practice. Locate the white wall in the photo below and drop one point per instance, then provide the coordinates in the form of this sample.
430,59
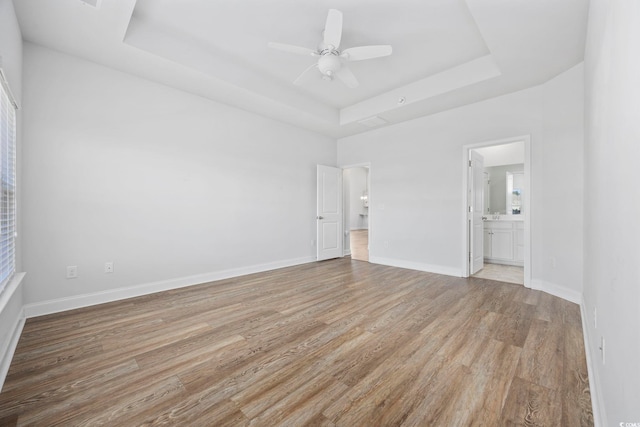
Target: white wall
11,299
171,187
558,188
612,206
416,190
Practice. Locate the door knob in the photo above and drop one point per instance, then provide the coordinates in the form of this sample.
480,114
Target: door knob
319,217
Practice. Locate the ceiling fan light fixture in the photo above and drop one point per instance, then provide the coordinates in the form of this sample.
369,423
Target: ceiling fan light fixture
329,64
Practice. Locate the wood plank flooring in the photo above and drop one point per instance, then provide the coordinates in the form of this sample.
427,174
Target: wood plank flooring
336,343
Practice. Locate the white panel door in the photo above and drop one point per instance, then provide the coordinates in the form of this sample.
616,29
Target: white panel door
329,212
476,209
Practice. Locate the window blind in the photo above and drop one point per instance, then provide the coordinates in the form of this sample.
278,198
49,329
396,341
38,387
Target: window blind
7,183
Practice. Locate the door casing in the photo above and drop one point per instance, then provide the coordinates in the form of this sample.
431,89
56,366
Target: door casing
476,212
527,202
370,191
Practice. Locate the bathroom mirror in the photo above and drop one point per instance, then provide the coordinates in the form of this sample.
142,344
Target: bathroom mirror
496,188
515,185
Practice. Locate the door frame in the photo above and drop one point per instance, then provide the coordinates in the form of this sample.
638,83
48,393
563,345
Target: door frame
527,200
370,220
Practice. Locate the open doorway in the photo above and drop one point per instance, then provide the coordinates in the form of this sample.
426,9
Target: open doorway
497,210
356,211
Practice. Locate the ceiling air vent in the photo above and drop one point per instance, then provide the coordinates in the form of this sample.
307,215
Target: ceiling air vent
373,121
93,3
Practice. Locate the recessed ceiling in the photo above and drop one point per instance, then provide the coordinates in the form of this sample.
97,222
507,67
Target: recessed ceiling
446,53
230,42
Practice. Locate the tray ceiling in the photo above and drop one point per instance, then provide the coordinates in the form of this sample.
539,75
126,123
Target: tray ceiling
445,53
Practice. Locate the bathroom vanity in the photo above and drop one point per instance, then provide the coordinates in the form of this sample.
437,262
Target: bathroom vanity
504,239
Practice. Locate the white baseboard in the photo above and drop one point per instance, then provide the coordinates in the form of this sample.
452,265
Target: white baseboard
79,301
7,356
597,401
557,290
429,268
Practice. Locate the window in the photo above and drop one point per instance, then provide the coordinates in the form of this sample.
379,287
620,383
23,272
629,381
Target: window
7,183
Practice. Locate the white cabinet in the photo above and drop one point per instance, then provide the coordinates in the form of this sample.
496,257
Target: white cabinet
503,242
487,242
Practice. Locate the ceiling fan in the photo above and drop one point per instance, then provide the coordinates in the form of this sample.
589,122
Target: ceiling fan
331,60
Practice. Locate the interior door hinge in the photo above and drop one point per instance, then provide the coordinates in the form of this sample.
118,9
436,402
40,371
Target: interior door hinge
469,163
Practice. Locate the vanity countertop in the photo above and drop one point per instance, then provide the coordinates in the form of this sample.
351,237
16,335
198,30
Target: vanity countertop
493,217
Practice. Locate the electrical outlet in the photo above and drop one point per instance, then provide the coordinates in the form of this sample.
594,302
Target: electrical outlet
108,267
72,271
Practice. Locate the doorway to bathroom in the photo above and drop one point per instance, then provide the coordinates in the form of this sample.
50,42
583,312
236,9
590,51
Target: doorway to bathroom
496,226
356,184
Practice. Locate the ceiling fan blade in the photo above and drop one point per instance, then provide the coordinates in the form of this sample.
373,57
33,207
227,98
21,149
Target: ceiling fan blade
333,29
346,76
293,49
304,77
366,52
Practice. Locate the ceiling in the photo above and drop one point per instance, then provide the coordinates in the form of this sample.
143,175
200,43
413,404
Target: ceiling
446,53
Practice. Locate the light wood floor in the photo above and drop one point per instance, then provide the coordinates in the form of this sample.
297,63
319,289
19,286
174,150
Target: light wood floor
502,273
336,343
359,244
